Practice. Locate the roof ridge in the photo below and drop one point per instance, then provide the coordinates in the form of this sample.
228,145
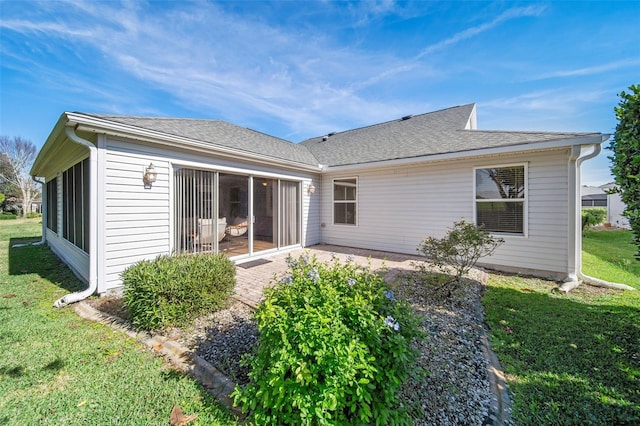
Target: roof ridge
395,120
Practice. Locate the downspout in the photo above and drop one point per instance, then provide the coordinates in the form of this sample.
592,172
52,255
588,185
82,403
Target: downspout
575,225
93,204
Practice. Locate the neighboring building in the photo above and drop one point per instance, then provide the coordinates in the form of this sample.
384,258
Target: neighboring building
214,186
597,196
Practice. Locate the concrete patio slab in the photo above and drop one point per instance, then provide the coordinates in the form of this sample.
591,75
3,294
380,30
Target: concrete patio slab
254,276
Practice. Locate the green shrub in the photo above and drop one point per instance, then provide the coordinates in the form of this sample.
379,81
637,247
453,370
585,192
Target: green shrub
593,216
460,248
7,216
171,291
33,215
334,348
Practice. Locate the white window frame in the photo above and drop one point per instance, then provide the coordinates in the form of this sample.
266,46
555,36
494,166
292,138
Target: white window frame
334,201
524,200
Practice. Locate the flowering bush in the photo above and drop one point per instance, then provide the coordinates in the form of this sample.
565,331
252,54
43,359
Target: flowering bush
334,347
459,250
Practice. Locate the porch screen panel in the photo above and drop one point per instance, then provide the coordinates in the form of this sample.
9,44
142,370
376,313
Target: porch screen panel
52,205
194,196
290,213
75,205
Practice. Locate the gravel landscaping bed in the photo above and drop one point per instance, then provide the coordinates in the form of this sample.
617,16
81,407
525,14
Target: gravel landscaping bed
454,388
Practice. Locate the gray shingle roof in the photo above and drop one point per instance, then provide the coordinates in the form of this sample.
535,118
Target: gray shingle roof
438,132
220,133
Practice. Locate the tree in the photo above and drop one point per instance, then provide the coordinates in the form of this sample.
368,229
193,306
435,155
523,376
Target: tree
16,157
593,216
7,186
625,161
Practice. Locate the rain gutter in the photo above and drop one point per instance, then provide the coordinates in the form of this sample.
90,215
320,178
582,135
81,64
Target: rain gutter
93,243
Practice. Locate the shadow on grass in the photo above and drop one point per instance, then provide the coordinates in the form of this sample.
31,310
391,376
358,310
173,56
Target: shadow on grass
568,362
41,260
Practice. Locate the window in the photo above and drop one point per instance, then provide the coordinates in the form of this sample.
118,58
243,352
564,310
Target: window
52,205
75,205
344,201
500,198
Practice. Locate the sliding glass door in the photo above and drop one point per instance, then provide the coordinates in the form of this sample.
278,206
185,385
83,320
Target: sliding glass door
265,214
289,213
234,213
234,209
196,226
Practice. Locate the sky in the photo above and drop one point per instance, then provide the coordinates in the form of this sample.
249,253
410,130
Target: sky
295,69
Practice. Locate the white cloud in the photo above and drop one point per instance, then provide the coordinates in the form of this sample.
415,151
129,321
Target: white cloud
593,70
244,68
518,12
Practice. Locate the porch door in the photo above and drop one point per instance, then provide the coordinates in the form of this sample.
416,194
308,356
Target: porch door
265,214
233,205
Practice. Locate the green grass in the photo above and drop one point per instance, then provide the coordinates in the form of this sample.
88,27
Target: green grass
568,359
609,255
56,368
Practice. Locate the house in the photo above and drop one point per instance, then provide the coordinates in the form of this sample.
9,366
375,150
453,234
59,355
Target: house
119,189
599,196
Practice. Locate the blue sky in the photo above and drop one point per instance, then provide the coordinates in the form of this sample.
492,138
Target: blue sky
301,69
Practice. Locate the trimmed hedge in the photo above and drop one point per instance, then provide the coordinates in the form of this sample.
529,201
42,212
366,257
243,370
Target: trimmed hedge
173,290
593,216
334,348
7,216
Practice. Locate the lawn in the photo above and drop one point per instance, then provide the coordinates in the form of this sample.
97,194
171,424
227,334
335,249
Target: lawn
568,359
571,359
56,368
609,255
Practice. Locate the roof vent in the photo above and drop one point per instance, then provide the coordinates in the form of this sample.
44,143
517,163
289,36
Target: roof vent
324,138
331,134
406,117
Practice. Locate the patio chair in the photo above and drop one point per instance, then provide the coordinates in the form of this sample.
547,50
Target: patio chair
205,233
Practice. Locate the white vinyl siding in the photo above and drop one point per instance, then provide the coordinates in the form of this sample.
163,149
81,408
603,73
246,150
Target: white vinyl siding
401,206
311,231
136,222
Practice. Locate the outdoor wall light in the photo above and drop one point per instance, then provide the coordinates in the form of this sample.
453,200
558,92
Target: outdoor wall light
150,175
311,189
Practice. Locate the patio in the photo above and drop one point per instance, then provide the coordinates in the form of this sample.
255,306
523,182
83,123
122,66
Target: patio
252,277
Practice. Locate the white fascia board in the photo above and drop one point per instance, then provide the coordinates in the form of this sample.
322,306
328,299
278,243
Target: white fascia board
57,130
500,150
97,125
